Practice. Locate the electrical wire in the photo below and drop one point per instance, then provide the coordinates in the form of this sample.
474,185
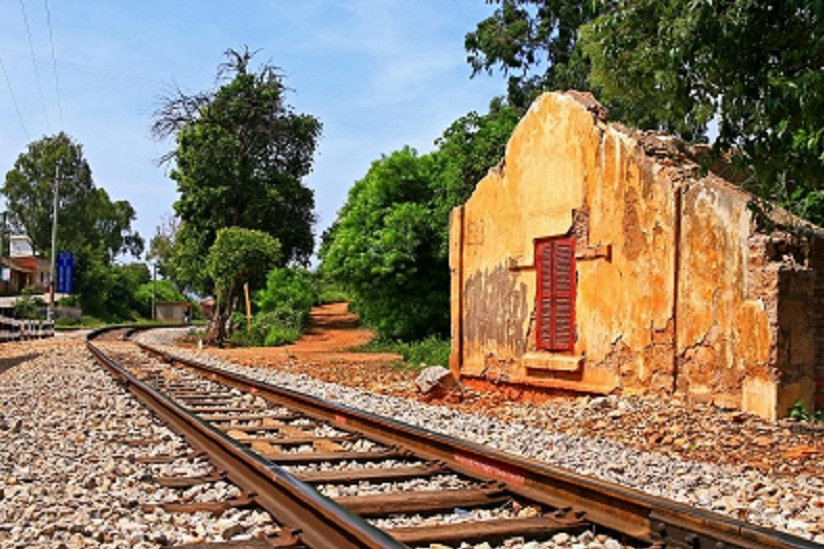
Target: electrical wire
34,63
103,73
14,100
54,64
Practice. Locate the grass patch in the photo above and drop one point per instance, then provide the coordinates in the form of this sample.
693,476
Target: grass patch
88,321
799,412
417,355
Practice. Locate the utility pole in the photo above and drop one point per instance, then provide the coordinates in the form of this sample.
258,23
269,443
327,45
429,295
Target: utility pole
154,291
3,251
56,187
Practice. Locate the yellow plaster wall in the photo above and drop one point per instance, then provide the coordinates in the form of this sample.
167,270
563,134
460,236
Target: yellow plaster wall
727,303
685,298
558,160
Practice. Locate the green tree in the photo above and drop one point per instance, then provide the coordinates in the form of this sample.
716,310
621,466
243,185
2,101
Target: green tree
675,65
162,248
386,248
120,294
237,257
289,288
468,148
166,291
85,213
389,245
91,225
241,155
755,66
283,306
534,43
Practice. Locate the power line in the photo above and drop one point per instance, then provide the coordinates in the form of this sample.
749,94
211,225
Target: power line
34,62
14,100
136,78
54,64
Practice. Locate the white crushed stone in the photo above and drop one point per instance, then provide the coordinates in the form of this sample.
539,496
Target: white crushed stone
68,479
741,492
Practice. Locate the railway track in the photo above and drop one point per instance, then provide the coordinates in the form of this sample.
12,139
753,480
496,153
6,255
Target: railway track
336,477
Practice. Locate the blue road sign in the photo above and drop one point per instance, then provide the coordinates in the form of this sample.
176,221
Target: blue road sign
65,272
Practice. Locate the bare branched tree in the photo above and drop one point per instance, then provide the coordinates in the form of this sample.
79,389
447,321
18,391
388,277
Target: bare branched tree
178,109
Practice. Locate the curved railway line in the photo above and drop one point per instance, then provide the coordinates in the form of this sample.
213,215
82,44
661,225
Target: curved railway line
286,451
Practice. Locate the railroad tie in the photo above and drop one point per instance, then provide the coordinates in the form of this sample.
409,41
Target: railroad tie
423,501
490,531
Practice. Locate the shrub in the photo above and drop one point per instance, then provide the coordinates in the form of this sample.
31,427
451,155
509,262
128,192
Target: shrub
799,412
282,335
431,351
29,308
68,301
329,291
66,322
282,308
268,328
91,321
289,289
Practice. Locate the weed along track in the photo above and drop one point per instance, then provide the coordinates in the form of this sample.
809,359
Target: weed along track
332,476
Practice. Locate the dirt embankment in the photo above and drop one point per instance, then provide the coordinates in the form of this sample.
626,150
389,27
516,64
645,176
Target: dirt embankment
694,431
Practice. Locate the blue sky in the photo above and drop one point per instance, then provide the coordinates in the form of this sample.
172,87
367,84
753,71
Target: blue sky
379,74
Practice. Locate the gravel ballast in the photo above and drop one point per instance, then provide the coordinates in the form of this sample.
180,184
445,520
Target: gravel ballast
69,477
794,505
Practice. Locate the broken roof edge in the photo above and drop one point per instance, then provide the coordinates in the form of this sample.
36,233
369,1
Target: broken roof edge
691,159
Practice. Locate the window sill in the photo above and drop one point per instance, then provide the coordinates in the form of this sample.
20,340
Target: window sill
544,360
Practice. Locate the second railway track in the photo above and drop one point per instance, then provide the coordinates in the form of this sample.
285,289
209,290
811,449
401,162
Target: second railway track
339,477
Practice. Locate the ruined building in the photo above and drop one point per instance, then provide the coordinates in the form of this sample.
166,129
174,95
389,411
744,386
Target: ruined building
595,258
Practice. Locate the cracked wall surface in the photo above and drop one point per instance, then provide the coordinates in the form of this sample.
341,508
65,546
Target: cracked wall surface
678,290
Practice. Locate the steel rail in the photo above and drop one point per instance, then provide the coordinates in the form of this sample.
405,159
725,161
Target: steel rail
643,517
316,521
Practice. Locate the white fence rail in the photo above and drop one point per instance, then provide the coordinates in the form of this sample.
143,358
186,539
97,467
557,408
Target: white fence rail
12,329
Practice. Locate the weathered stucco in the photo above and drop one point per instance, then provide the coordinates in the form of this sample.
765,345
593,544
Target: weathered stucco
677,289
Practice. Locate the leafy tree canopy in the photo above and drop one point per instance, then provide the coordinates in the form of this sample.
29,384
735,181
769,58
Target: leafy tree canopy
163,290
238,256
468,148
90,224
386,249
241,155
675,65
389,244
290,289
534,43
162,248
86,214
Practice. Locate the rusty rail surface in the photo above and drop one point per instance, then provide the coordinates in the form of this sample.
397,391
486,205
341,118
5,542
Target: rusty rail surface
647,519
315,521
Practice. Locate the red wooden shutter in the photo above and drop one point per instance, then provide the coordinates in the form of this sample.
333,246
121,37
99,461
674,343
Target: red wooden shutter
555,265
563,295
543,262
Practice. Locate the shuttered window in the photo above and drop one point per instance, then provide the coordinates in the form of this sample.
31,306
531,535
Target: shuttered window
555,266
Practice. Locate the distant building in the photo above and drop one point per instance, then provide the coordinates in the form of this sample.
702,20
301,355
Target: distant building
207,307
20,246
173,311
22,269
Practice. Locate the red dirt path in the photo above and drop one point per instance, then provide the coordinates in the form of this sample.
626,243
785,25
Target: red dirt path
324,352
